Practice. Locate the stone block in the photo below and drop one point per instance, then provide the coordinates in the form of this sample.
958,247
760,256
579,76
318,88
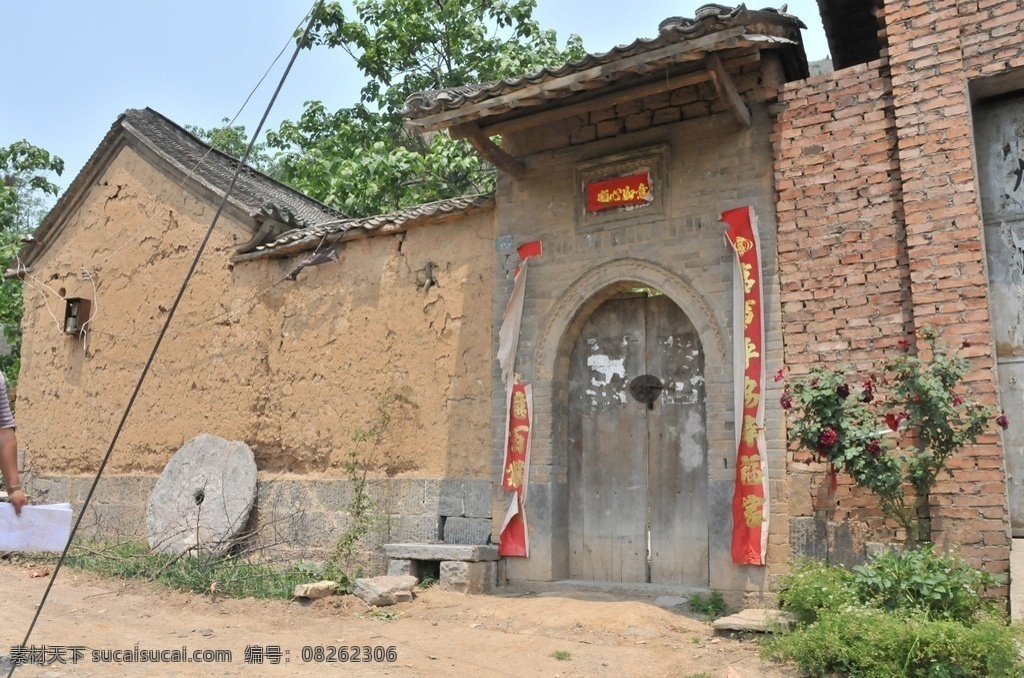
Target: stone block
754,621
49,490
401,566
441,552
477,499
451,501
466,577
467,530
807,538
422,529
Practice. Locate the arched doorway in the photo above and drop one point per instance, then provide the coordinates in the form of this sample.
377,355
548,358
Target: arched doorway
637,465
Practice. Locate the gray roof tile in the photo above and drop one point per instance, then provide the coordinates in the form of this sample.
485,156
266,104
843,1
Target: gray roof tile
300,240
708,19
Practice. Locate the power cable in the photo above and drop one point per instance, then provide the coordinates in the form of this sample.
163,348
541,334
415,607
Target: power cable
163,331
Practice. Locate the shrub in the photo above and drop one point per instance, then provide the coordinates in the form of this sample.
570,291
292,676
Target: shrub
895,431
872,643
942,586
711,606
813,586
917,613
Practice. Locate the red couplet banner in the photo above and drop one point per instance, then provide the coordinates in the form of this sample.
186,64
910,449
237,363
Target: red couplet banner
750,500
515,472
627,191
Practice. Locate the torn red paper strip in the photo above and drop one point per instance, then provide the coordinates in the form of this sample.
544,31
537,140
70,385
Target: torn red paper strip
516,470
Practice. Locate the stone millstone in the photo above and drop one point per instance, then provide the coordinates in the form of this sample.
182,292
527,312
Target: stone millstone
203,498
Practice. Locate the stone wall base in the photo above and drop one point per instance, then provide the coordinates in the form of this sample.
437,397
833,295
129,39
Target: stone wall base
297,518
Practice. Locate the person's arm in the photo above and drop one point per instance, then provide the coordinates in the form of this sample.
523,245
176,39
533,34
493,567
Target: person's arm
9,468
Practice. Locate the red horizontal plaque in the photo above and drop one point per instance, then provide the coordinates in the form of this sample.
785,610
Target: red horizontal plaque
627,191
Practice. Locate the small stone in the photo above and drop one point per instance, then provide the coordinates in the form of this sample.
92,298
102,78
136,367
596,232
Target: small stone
381,591
315,590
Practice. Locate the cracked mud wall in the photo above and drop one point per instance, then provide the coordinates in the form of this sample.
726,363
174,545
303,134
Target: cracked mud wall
291,368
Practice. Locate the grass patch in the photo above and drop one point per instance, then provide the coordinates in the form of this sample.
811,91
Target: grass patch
231,576
561,655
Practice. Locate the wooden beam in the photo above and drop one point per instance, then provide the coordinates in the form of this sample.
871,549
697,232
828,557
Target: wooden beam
488,149
727,90
685,50
609,100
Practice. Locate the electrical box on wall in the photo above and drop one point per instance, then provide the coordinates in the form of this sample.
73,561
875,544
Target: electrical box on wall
76,314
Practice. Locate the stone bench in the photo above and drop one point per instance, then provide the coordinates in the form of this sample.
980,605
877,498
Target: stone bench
460,567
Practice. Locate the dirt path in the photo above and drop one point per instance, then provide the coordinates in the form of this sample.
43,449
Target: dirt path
438,634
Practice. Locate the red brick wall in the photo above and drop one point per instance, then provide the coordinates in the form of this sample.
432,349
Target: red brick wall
935,49
880,228
843,264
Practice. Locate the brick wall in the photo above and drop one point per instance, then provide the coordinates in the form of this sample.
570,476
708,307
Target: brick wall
843,267
935,50
880,232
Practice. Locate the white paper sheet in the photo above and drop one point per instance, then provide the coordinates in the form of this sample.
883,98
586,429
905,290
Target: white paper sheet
43,527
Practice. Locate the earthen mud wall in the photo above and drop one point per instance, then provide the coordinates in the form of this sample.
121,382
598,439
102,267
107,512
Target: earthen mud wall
292,368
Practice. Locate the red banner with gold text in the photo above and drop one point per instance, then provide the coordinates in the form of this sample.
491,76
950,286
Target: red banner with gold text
750,501
626,191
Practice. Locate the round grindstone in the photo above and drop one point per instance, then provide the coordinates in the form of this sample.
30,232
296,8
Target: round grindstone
203,498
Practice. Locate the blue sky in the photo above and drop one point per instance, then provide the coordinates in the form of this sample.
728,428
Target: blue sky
71,67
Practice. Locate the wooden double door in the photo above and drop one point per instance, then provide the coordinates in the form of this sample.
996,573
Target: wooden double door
637,465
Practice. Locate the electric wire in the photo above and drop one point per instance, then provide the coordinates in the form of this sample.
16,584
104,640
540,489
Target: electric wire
167,322
181,191
198,163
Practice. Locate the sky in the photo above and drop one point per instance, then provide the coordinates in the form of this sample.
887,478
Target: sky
71,67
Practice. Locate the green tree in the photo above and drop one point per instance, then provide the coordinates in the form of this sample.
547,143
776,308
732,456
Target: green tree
360,159
25,194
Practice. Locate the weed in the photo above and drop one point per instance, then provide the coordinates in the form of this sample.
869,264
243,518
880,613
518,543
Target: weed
710,607
561,655
359,462
941,586
812,586
381,614
426,583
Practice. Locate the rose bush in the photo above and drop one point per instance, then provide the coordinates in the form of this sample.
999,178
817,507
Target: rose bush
894,431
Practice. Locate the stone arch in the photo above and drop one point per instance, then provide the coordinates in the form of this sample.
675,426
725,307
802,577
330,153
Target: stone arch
574,306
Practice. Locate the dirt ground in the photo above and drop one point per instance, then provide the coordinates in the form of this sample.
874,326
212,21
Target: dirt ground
440,633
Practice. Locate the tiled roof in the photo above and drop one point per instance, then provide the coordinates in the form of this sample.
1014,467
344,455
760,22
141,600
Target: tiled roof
314,237
766,26
262,195
254,193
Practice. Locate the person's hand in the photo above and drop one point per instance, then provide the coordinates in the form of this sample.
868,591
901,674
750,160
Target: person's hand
18,499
